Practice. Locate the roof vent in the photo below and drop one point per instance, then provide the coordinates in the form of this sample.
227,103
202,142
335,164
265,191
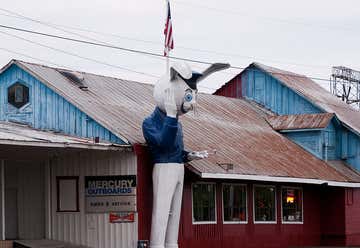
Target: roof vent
76,78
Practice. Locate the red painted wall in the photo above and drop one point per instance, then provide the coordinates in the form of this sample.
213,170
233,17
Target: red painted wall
332,216
250,234
328,212
231,89
144,191
352,217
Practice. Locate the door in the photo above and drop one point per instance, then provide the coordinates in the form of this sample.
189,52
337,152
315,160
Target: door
11,217
24,200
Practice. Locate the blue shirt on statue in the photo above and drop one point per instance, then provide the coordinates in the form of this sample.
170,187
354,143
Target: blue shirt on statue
164,137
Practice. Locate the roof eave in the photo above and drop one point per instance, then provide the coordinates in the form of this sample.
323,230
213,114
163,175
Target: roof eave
278,179
103,147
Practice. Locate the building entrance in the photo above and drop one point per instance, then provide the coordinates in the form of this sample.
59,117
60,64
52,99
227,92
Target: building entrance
24,200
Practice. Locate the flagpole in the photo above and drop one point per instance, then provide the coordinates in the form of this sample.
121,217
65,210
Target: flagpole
167,48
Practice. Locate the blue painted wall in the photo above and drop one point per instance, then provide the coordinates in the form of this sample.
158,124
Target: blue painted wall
47,110
332,143
268,91
310,140
350,148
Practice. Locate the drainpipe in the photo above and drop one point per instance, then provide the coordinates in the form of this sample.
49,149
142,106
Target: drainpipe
325,146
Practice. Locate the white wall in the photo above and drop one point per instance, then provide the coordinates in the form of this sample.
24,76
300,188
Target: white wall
93,230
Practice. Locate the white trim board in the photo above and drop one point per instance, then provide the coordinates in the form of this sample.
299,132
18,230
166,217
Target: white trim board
279,179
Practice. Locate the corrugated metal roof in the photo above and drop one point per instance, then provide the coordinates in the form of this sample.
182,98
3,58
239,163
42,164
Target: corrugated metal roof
316,94
303,121
344,169
17,134
238,133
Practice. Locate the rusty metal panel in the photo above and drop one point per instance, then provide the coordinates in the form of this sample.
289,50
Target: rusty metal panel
238,132
303,121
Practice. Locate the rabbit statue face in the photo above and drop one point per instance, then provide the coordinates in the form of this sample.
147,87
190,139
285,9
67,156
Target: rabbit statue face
179,80
183,81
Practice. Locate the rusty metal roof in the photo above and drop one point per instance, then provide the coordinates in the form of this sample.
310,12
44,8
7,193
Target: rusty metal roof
232,127
18,134
303,121
316,94
344,169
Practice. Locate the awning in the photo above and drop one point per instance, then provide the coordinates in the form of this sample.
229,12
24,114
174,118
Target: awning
23,135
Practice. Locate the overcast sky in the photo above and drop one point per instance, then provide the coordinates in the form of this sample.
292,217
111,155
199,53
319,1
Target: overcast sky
307,37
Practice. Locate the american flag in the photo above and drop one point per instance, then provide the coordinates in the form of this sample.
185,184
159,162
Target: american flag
169,42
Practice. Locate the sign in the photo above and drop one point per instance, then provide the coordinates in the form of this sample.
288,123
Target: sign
121,217
110,194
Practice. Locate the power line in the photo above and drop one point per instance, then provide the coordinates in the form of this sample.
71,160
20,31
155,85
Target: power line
53,25
75,55
31,57
266,18
79,56
136,51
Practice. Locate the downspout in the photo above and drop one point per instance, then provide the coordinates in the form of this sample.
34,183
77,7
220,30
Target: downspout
325,146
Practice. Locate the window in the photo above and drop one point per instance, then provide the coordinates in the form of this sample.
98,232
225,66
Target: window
18,95
292,205
234,203
203,199
264,204
67,194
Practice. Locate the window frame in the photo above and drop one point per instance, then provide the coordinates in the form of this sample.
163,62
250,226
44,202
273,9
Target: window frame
14,84
192,205
246,204
58,179
302,205
253,201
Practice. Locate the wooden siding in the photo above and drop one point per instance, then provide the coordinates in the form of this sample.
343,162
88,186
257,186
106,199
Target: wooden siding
311,141
273,95
248,234
93,230
333,143
48,110
352,217
351,145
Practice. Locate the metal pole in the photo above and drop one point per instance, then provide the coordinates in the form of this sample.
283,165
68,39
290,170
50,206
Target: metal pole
167,48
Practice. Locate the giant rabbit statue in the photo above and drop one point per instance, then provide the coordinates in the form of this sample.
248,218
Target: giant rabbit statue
175,95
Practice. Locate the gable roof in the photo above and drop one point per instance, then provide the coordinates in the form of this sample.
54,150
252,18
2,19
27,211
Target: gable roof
240,135
302,121
320,97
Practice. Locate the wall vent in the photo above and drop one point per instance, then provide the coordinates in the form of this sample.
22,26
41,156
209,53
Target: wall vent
76,78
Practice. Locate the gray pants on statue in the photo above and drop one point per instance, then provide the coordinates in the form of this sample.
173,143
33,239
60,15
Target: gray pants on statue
168,180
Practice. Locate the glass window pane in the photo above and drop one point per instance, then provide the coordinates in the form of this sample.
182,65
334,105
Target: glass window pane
204,202
234,202
19,94
292,205
264,203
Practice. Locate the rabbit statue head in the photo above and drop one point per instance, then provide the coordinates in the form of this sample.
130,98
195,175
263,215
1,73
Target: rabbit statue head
183,82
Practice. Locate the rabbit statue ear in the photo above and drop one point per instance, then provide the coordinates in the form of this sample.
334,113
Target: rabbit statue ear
211,69
182,69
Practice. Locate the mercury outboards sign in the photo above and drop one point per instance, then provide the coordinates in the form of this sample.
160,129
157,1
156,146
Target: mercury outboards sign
110,193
